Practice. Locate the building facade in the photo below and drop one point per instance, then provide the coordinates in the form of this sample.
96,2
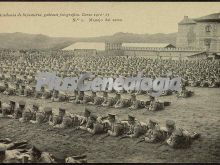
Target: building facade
203,32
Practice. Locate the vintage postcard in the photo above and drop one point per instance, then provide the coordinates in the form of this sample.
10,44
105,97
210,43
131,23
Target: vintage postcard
109,82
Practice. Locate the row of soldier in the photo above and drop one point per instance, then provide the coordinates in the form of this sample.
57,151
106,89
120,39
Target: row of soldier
80,97
24,68
110,125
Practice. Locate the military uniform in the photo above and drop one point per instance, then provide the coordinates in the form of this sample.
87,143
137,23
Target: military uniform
154,134
136,104
155,105
11,156
89,99
26,115
112,126
19,110
66,123
79,98
37,156
39,94
43,115
111,101
8,109
94,126
100,100
178,137
58,118
47,94
132,127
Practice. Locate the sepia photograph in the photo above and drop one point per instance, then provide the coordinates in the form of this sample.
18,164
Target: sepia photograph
109,82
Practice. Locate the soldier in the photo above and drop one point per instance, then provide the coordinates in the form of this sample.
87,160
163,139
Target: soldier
37,156
26,115
5,110
136,104
79,98
89,99
154,134
113,126
93,125
43,115
35,108
155,105
84,119
11,90
21,90
55,95
19,110
111,101
67,121
3,86
121,103
178,137
10,156
76,159
8,109
57,118
185,93
132,127
47,94
100,100
39,94
72,97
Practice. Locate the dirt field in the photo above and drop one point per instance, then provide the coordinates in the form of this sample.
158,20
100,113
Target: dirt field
200,113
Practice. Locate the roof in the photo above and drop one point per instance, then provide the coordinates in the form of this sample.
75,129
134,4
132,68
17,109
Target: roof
196,54
210,17
187,20
86,45
147,45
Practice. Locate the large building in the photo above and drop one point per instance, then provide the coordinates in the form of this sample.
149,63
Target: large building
203,32
196,38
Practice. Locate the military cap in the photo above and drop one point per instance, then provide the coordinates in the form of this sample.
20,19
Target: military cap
170,123
93,117
131,117
21,102
48,110
35,150
87,110
12,101
133,94
178,132
62,109
110,115
118,93
153,121
35,105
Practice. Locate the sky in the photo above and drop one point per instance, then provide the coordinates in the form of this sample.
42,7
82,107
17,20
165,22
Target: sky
137,17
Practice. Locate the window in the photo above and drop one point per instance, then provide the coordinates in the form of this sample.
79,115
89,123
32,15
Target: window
208,28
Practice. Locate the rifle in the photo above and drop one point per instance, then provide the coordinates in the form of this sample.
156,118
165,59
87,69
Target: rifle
123,137
84,132
164,142
142,140
104,137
